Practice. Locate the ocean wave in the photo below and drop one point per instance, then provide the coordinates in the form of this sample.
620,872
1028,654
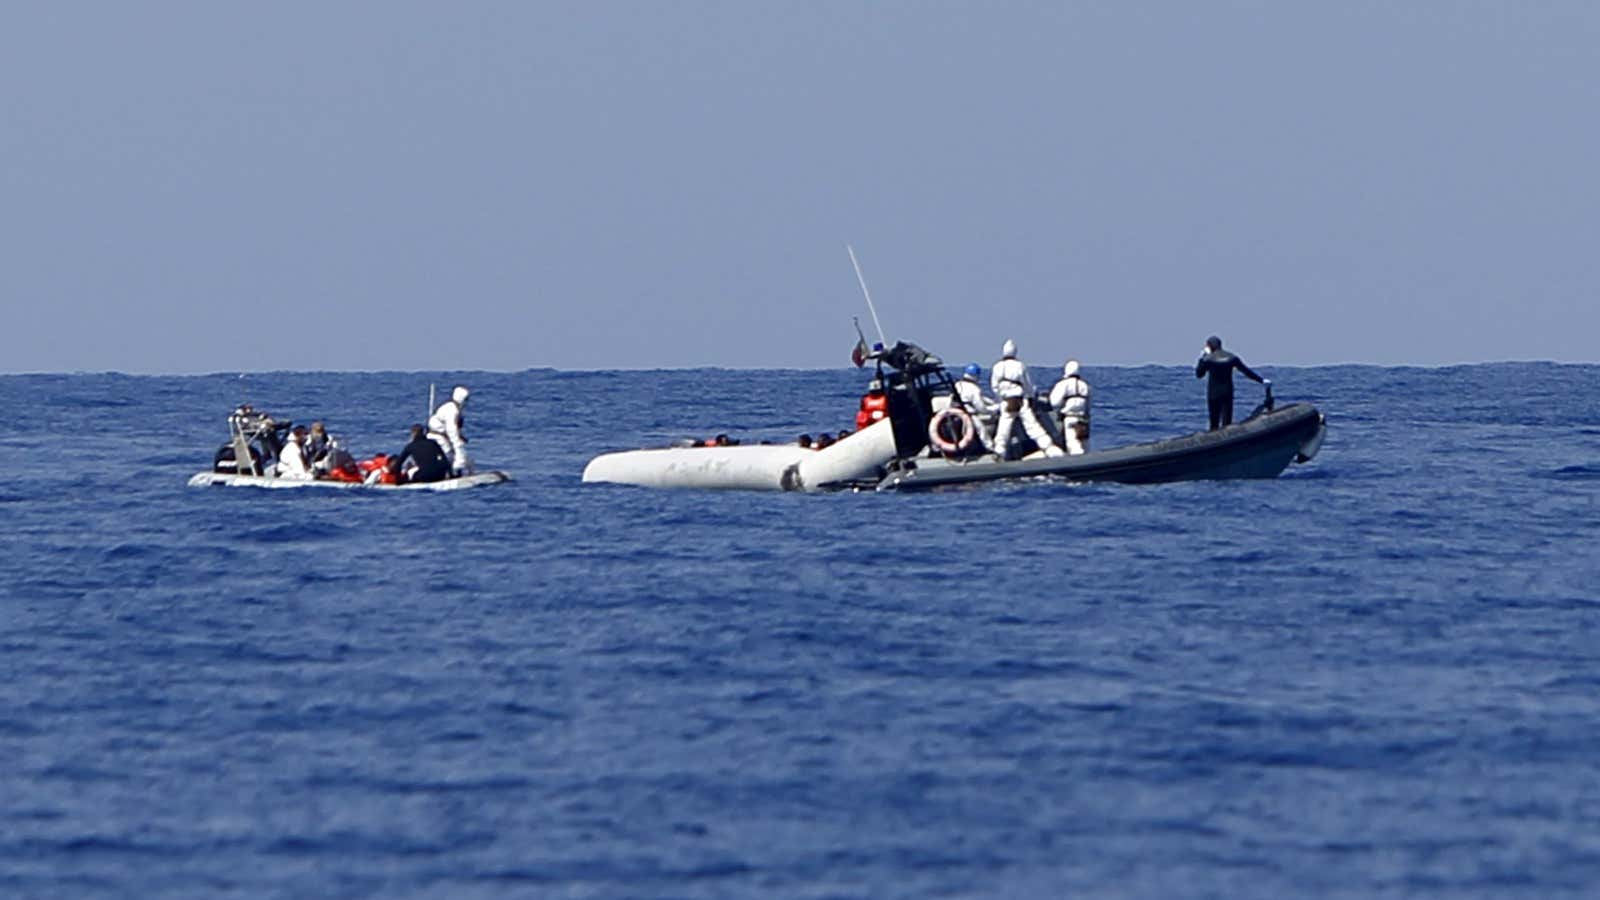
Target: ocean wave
1576,473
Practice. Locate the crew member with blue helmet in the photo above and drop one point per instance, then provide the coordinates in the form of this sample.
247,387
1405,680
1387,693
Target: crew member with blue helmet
969,389
969,392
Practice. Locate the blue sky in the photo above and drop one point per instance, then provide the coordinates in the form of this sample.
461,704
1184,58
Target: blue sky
195,187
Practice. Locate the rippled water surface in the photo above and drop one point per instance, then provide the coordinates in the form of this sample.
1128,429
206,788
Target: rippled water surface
1376,676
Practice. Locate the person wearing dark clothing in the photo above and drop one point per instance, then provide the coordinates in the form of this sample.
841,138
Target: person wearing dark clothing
432,464
317,443
1219,364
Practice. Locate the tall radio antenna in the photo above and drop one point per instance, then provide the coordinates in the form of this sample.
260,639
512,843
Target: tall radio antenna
868,294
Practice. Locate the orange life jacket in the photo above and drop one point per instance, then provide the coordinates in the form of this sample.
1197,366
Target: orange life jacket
874,406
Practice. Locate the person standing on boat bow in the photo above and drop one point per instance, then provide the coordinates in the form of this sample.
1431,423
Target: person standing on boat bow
1070,399
444,428
1219,365
1011,384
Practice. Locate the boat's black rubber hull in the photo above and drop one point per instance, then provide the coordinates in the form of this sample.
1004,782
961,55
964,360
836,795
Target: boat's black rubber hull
1261,447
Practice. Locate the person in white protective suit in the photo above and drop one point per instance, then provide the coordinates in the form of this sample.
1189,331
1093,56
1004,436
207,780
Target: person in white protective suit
1015,390
444,428
292,461
969,390
1070,399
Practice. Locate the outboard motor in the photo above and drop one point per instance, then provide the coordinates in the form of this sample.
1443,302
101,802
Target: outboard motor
226,461
254,433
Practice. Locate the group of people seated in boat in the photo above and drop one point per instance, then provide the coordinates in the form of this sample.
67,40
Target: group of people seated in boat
823,440
308,455
434,453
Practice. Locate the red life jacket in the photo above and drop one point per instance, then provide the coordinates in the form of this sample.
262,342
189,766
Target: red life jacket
874,406
342,474
379,463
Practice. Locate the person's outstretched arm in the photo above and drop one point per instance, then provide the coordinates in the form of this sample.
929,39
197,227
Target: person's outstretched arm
1248,372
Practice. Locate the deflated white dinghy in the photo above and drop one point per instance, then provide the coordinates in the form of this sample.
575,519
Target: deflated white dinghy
754,467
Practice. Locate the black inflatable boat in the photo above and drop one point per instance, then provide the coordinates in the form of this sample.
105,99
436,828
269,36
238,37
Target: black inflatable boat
1259,447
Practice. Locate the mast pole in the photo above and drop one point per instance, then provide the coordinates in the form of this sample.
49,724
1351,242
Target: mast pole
868,294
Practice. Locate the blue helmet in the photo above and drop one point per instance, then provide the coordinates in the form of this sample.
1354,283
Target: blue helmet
974,370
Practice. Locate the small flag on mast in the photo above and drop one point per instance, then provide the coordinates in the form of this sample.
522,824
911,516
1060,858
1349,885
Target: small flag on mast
858,355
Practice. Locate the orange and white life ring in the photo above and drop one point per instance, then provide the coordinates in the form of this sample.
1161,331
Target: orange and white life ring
949,446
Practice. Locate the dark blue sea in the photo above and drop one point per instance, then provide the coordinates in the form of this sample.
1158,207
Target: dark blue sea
1377,676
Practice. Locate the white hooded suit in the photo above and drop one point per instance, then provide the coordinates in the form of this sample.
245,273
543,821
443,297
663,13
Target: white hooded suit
1012,385
1070,399
444,429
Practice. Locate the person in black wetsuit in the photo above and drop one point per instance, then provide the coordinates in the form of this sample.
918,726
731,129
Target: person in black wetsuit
432,464
1219,364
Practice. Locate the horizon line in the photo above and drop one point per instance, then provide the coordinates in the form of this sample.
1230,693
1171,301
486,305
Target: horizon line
717,368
